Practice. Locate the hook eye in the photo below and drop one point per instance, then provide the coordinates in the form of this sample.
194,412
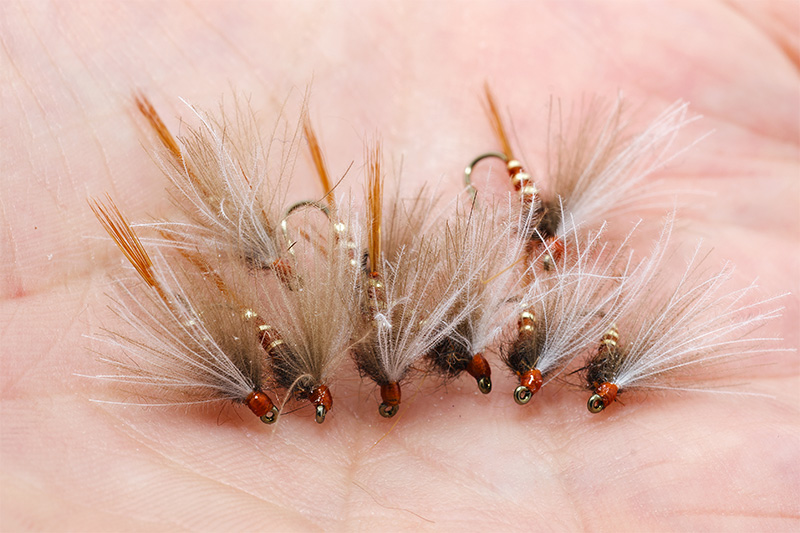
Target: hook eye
299,205
306,203
320,415
271,417
388,411
522,395
468,171
595,404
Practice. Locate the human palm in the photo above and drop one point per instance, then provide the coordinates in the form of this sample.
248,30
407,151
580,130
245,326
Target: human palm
453,458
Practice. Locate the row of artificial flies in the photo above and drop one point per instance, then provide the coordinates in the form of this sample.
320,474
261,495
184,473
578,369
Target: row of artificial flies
245,299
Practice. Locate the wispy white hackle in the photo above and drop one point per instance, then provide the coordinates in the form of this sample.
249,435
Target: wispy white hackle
406,301
314,316
674,329
483,251
600,169
187,337
230,183
408,218
418,314
564,312
200,349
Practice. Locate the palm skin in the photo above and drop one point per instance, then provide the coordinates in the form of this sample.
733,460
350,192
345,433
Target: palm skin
455,459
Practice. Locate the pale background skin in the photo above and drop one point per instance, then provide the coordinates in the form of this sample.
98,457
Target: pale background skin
413,72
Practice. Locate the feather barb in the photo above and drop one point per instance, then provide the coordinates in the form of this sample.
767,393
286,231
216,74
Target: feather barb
375,204
127,241
497,122
319,161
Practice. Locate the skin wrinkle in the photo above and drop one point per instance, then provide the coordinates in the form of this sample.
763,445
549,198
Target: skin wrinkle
709,114
140,437
6,157
11,379
570,496
645,83
11,284
43,48
449,470
222,37
76,318
55,194
152,445
751,128
789,49
42,112
8,317
357,460
389,507
406,446
793,517
170,36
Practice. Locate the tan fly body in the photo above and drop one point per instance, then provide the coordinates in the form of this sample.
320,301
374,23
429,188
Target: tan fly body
185,339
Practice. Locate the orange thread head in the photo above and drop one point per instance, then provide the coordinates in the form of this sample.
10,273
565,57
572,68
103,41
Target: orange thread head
529,384
603,395
259,403
531,380
262,406
322,399
479,368
390,394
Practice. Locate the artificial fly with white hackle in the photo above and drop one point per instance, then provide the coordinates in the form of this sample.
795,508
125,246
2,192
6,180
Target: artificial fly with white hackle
312,317
593,172
406,304
673,327
312,321
189,342
563,311
243,298
220,172
482,249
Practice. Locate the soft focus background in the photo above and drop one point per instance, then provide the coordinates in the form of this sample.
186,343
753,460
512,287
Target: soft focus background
413,73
